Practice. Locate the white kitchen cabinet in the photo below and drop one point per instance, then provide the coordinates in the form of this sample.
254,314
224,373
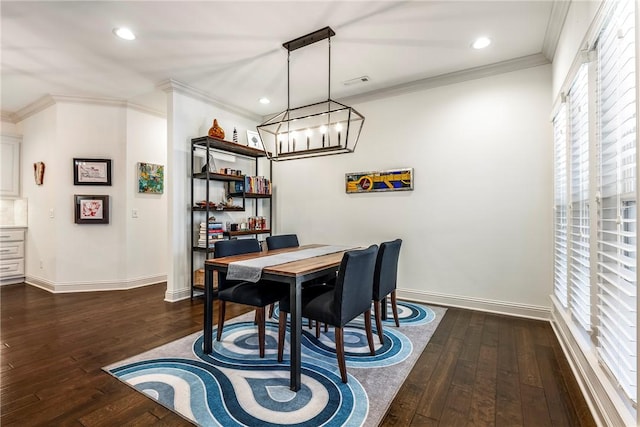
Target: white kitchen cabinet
10,168
11,255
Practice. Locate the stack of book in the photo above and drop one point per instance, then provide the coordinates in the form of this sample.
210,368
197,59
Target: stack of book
257,185
215,232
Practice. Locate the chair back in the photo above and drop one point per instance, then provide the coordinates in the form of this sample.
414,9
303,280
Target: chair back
386,271
225,248
354,283
282,241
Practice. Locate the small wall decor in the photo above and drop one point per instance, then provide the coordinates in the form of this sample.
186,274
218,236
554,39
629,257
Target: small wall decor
216,131
389,180
91,171
253,140
150,178
38,172
91,209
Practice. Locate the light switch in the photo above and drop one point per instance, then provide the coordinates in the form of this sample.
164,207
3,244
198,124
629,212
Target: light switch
134,213
51,213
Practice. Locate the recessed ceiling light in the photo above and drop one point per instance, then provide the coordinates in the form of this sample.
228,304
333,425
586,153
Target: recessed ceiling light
481,42
264,100
124,33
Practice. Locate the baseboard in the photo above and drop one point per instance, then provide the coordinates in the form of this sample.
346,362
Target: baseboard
60,288
480,304
605,404
177,295
12,281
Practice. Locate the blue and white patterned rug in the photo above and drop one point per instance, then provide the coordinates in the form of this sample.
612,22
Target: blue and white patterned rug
232,386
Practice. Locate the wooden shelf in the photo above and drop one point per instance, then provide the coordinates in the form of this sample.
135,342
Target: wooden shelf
246,232
221,144
199,209
251,195
219,177
199,249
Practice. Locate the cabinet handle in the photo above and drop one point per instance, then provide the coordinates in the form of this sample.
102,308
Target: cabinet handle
4,237
5,250
5,268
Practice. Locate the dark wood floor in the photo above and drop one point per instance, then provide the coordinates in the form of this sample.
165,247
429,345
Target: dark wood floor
478,369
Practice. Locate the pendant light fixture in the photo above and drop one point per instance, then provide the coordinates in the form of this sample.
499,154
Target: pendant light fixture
319,129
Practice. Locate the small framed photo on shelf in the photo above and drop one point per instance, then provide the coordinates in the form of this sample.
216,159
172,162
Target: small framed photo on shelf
91,171
253,140
91,209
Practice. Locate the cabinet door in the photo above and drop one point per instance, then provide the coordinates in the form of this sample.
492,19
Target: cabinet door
10,170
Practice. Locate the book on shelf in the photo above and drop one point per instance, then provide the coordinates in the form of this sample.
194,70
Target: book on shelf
257,185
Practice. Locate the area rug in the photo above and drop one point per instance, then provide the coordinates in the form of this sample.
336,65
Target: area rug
232,386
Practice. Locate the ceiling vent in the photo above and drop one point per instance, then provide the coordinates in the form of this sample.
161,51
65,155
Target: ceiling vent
356,81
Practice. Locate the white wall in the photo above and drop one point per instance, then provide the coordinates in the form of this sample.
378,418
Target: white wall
63,256
477,229
189,117
145,235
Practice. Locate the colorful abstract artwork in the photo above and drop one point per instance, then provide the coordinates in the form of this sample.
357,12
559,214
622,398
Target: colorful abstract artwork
150,178
388,180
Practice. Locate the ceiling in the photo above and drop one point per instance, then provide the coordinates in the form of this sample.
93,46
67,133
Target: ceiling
232,50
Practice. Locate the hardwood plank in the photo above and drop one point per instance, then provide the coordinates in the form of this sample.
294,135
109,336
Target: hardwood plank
508,403
527,362
535,411
482,408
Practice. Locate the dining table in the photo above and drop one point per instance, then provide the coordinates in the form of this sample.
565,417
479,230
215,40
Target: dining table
293,274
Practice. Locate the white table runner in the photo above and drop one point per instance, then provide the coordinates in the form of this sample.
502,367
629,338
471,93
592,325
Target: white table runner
251,270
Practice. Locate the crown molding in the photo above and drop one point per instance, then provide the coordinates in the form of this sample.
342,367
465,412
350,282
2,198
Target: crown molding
8,117
50,100
451,78
34,108
171,85
559,11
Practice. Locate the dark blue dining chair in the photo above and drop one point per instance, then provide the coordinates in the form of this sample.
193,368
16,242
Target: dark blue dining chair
258,295
338,305
282,241
384,281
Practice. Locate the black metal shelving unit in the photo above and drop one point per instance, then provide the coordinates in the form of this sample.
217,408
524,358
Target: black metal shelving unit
210,144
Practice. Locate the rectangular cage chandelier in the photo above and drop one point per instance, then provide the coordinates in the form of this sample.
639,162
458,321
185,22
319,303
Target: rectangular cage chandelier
320,129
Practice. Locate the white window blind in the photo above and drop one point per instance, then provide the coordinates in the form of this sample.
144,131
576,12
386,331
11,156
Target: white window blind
560,205
616,228
579,268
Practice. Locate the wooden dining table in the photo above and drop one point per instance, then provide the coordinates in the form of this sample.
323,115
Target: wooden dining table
291,273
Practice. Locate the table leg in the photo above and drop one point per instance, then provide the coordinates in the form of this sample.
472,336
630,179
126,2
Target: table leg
296,333
208,310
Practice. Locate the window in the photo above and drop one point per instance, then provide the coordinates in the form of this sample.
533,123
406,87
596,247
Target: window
560,206
579,267
616,227
595,203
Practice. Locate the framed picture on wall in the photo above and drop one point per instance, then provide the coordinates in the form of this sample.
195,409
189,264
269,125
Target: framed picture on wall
91,209
253,140
150,178
375,181
91,171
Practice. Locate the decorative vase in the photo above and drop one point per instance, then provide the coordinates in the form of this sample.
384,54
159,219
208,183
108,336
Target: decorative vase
216,131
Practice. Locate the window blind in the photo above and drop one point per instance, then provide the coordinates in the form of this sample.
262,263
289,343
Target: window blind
616,225
579,267
560,205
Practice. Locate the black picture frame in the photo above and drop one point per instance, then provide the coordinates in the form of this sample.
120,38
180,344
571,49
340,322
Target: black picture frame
91,171
91,209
